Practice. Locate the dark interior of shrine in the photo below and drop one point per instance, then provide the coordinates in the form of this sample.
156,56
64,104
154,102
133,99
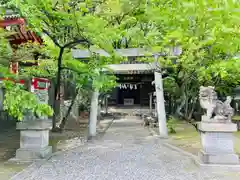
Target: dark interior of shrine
133,89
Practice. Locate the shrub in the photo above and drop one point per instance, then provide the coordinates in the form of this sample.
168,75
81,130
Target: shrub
171,125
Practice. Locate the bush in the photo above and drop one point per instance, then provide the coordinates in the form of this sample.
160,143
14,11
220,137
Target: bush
18,102
171,125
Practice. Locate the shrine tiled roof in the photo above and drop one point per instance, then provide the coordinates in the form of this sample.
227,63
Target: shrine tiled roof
11,16
12,21
7,13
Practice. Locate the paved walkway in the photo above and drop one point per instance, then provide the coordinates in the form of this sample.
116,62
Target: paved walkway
126,152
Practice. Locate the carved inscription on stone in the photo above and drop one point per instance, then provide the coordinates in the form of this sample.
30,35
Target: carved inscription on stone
217,142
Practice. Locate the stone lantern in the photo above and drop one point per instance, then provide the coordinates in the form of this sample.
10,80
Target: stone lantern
34,132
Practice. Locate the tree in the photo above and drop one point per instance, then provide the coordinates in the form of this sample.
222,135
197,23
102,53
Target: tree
86,24
140,23
207,32
69,24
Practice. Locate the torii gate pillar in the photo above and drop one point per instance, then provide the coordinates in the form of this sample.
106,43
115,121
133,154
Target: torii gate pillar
161,113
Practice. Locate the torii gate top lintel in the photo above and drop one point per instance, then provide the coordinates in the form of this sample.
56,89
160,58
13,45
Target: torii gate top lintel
131,68
128,52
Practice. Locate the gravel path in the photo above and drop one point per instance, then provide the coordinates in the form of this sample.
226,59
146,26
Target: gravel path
126,152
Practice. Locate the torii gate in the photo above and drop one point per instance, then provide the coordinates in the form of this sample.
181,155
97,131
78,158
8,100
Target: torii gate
134,52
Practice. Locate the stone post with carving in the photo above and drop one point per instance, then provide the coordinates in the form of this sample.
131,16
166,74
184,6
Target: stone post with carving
216,129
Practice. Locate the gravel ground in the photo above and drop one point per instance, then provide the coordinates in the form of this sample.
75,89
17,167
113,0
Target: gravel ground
126,152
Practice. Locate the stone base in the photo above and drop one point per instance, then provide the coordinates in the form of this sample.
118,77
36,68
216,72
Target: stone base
34,125
207,158
34,140
33,154
217,127
218,143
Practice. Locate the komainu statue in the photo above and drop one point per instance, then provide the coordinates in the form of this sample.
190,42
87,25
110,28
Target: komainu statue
215,109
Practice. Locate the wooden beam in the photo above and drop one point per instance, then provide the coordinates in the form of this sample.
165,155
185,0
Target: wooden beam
10,22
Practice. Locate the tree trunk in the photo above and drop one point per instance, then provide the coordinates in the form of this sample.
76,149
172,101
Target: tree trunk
189,113
93,114
179,108
183,99
65,118
106,105
170,104
192,110
186,108
57,88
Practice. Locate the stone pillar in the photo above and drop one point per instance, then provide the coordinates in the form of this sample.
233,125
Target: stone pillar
93,114
161,114
34,140
217,143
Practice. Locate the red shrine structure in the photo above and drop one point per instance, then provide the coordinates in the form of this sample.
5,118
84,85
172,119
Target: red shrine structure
14,23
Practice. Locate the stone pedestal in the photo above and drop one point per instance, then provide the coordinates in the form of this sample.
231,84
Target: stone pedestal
217,143
34,140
